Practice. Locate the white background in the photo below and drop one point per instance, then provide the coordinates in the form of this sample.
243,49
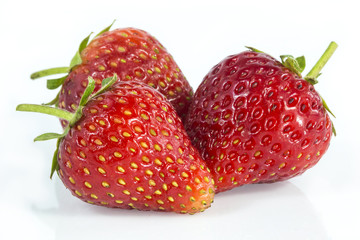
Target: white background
323,203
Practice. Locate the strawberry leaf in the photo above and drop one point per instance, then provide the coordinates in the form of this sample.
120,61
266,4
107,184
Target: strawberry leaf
290,62
105,84
48,72
48,136
254,49
76,60
106,29
301,62
55,83
55,164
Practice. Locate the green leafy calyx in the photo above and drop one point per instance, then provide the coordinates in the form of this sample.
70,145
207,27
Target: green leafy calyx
72,118
75,61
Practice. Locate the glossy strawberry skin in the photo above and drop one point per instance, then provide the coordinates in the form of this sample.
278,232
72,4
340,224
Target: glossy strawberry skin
130,150
255,121
132,54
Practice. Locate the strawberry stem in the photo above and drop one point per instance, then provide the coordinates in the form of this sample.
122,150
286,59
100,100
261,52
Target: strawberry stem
315,71
57,112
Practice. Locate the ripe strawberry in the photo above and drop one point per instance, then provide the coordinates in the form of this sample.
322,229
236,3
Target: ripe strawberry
255,120
132,54
128,149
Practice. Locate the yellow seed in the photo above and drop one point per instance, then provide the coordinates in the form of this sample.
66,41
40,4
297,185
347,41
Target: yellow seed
169,160
282,165
113,64
140,189
165,133
87,184
120,169
127,112
78,193
126,192
73,106
162,84
121,181
221,156
299,156
158,192
137,179
121,49
152,182
160,202
144,116
82,142
236,141
123,60
132,150
71,180
158,162
134,165
216,107
240,169
206,179
157,147
180,161
126,134
257,153
114,139
119,201
144,145
149,71
157,70
184,174
293,168
169,146
175,184
188,188
138,129
105,184
102,123
148,197
171,199
152,132
91,202
117,154
101,170
192,199
110,194
165,187
82,154
197,180
149,172
101,68
102,158
145,159
143,56
93,196
86,171
124,34
98,142
134,198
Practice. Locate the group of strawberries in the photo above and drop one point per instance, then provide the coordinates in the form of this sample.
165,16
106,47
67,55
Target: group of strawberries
135,135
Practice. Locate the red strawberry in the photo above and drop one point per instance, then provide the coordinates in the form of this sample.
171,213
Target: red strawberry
255,120
132,54
129,150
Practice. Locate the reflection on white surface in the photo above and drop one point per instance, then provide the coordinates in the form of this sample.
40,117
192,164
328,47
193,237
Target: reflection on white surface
263,211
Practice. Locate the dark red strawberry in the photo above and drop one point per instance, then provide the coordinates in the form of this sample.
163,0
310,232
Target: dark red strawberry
132,54
255,120
127,148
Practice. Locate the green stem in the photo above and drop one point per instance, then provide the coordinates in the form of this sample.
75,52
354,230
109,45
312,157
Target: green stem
48,72
45,109
315,71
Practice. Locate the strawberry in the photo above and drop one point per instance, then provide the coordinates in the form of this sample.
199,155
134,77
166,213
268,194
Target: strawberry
132,54
127,148
256,120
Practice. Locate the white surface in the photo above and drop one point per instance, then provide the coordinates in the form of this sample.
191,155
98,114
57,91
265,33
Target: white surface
321,204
